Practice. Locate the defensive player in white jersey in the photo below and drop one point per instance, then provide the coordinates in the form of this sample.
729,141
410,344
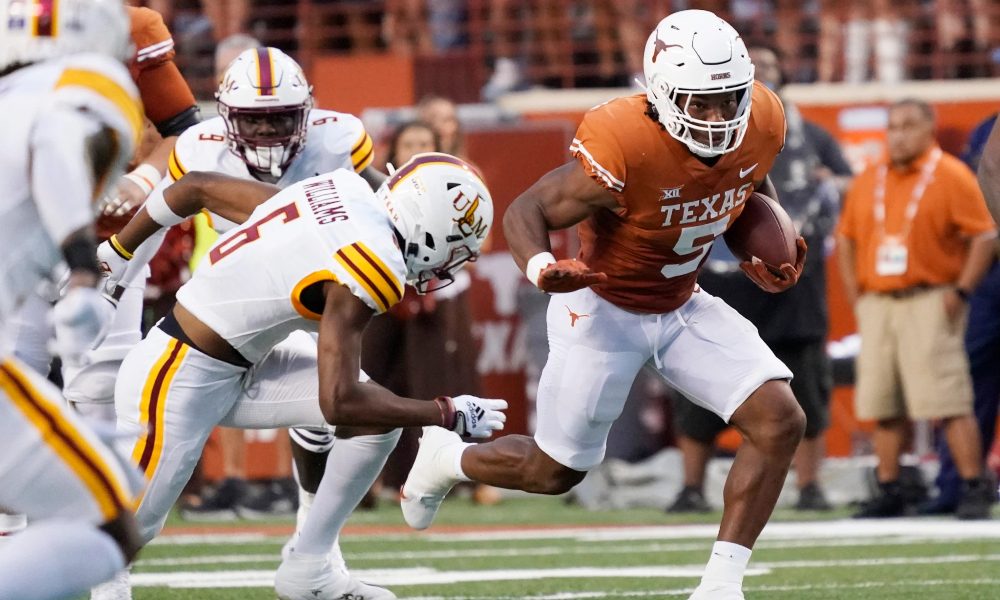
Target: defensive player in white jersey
70,117
323,255
269,132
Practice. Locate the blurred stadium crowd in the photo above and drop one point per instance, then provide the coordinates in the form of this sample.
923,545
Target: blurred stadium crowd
505,45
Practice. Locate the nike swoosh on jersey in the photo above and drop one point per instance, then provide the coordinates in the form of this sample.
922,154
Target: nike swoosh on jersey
748,170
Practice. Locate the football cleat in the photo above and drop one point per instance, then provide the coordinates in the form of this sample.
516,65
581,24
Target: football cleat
431,477
314,577
718,591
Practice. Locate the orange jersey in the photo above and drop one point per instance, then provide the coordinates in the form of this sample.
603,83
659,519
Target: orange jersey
672,205
165,94
951,210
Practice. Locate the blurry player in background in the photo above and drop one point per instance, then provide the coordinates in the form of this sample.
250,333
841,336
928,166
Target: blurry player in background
269,131
71,117
170,110
657,177
325,255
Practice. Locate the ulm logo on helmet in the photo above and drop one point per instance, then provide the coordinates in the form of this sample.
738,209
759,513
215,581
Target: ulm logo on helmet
468,223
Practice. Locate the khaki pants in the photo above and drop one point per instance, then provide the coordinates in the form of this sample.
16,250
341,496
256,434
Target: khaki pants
912,361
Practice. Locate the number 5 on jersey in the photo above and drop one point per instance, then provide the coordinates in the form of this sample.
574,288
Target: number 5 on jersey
693,241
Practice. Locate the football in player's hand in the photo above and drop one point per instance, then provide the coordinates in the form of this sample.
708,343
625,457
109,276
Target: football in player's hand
763,230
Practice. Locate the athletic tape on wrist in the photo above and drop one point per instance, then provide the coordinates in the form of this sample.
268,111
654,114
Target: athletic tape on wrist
145,176
535,265
158,211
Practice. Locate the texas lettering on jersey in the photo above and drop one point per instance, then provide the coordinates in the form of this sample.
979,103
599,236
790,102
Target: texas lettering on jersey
672,205
708,208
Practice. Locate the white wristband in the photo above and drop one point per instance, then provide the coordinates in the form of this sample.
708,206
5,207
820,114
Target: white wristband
156,207
535,265
145,176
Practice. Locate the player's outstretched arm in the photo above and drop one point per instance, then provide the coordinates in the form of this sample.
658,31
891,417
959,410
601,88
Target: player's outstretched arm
345,401
561,198
229,197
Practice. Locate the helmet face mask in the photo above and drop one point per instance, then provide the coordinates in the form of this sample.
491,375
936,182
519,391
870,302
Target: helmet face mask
440,206
265,100
32,31
694,56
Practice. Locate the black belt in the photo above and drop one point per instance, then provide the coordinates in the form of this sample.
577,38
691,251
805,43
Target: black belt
171,327
910,291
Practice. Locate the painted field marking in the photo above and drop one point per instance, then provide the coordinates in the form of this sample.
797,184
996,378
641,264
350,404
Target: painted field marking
428,576
594,549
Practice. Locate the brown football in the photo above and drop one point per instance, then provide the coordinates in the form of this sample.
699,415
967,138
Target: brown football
763,230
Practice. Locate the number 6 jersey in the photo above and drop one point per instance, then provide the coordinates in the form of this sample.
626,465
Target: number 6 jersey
264,280
672,204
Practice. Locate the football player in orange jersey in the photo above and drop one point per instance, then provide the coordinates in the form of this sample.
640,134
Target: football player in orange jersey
169,104
656,177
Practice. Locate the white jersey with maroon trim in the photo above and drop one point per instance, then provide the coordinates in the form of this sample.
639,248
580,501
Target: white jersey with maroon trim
334,141
263,281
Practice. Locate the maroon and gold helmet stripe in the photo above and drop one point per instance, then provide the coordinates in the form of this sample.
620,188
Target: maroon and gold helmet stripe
431,158
44,18
62,437
265,72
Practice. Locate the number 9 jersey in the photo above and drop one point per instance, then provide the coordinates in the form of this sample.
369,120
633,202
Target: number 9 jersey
264,280
672,205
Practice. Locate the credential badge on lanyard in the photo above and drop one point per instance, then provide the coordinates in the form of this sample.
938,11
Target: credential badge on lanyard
892,254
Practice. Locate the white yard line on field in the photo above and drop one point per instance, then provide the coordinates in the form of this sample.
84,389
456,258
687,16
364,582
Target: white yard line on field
428,576
592,549
933,528
937,529
417,576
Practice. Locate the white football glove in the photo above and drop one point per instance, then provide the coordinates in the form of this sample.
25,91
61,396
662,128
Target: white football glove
81,321
112,266
478,417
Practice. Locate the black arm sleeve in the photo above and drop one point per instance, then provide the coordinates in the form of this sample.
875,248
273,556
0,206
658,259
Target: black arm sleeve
178,123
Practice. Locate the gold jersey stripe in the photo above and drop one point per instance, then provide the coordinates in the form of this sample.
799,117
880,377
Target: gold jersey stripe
174,166
363,153
62,437
129,105
372,274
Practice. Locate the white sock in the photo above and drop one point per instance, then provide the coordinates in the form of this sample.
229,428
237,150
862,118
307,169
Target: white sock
57,558
305,505
727,563
351,468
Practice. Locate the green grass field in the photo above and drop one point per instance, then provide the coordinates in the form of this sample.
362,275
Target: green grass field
541,548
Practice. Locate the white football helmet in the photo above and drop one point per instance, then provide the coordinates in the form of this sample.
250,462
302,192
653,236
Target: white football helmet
443,210
265,99
32,31
696,52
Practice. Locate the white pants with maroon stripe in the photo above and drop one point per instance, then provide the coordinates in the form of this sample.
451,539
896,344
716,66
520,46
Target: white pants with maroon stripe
169,396
704,349
52,465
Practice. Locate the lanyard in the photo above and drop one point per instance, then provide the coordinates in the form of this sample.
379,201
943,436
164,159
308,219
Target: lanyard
926,175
